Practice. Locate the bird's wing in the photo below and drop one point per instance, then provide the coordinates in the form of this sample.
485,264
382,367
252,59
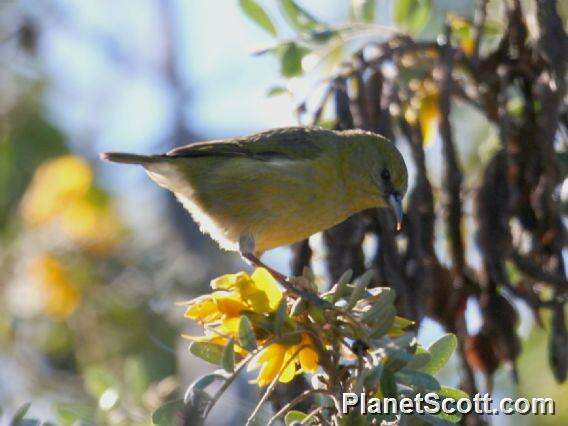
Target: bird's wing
286,143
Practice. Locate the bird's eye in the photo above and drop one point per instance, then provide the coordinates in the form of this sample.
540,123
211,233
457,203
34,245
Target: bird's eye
385,175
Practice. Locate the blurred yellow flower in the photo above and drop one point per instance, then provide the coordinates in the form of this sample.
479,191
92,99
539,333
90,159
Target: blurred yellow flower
55,183
467,45
285,361
94,225
60,295
463,30
429,116
63,190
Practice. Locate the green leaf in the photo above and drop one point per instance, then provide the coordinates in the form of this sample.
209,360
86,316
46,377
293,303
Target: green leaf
291,59
297,16
71,413
421,358
322,36
400,325
373,379
294,416
228,358
247,338
492,28
353,419
421,419
454,394
361,284
382,321
280,317
255,12
417,379
136,377
204,381
363,10
168,414
385,299
21,413
207,352
298,307
397,358
341,286
412,14
440,351
402,10
277,91
388,384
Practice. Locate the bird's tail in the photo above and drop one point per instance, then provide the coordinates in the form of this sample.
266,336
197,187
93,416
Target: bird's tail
123,157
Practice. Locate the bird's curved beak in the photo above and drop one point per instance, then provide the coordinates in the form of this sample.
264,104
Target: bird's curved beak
395,201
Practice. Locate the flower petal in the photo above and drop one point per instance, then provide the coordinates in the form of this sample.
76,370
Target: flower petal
308,359
230,281
272,364
228,304
266,283
203,309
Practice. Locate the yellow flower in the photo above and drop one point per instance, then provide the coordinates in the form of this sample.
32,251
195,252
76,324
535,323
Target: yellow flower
463,30
55,183
93,225
260,292
62,190
400,326
214,307
60,295
236,293
285,361
467,45
429,116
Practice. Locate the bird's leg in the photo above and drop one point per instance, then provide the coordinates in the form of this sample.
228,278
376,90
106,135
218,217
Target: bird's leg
285,282
246,248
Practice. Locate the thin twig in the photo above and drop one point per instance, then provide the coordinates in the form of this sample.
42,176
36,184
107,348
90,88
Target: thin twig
303,396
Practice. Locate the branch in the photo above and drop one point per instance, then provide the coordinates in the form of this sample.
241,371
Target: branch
452,172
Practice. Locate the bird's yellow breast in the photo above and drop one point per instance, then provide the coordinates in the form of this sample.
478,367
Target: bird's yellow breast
277,202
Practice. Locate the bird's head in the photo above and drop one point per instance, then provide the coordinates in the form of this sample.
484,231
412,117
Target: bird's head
381,178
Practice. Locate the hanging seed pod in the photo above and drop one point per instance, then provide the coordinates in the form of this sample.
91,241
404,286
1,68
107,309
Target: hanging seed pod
481,356
500,324
341,102
558,344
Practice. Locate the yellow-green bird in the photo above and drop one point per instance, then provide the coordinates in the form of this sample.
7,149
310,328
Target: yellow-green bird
277,187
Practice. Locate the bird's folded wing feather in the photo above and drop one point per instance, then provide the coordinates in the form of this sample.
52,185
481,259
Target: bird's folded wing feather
290,143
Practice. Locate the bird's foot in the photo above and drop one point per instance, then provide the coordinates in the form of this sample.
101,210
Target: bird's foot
307,295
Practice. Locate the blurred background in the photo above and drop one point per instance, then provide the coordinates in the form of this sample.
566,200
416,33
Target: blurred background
93,256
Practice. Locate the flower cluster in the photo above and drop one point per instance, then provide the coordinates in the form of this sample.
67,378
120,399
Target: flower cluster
255,298
354,342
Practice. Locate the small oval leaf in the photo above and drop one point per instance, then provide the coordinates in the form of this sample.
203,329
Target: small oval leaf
440,351
247,338
207,352
297,16
255,12
168,414
228,358
294,416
